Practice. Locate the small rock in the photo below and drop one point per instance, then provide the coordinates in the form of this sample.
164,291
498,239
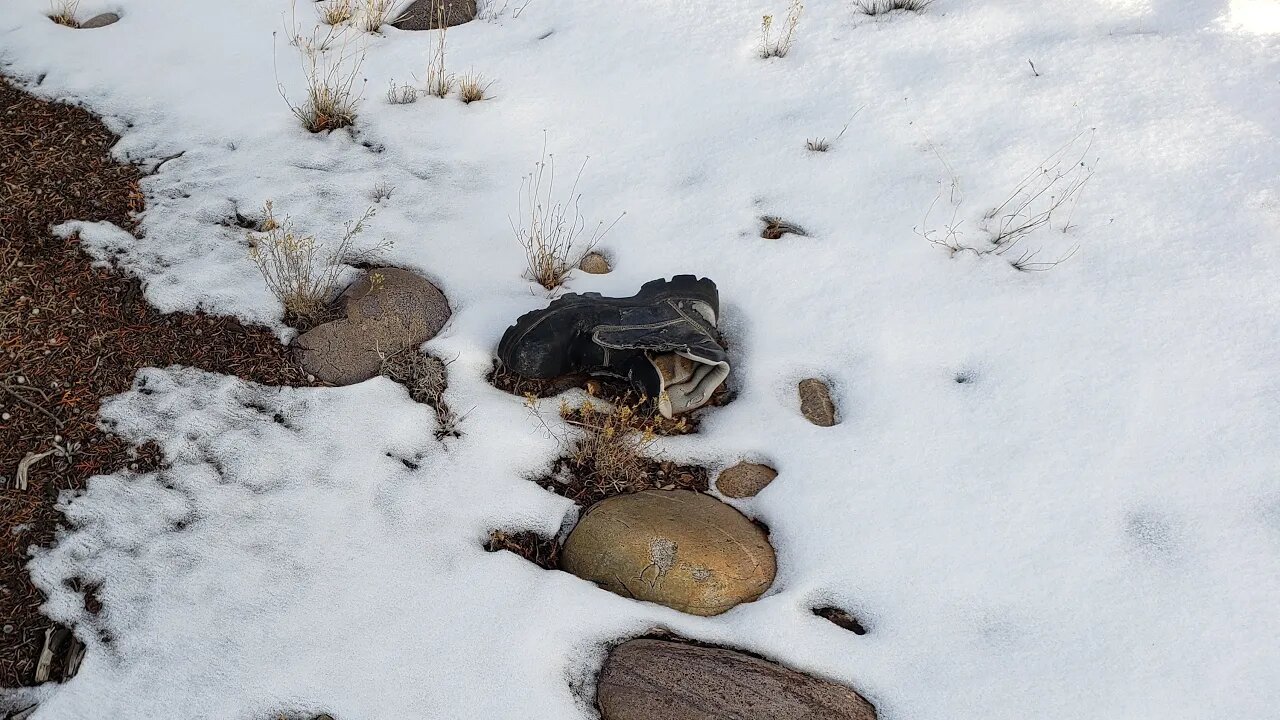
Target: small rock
423,14
98,21
745,479
388,310
683,549
842,618
664,680
816,404
594,263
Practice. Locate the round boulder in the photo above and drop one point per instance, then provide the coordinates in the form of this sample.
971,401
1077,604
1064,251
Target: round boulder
816,404
664,680
745,479
388,310
679,548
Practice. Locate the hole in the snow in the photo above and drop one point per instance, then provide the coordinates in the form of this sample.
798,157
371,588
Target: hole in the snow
964,378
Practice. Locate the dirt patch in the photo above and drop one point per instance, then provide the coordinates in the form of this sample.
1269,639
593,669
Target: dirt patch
541,551
71,335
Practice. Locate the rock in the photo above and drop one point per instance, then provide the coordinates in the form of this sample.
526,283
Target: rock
594,263
388,310
745,479
842,618
664,680
683,549
98,21
816,404
423,14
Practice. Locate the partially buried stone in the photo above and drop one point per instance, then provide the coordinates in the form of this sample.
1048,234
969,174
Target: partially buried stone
745,479
427,14
98,21
665,680
679,548
816,404
388,310
594,263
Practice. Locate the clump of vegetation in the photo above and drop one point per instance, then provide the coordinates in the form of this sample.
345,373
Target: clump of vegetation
1039,201
607,449
398,94
473,87
439,80
374,14
302,279
820,144
551,229
779,46
336,12
884,7
332,97
63,12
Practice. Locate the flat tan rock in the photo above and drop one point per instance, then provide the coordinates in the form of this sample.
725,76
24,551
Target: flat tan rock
664,680
745,479
679,548
816,404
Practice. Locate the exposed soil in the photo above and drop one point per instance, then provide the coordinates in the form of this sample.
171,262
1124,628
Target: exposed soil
71,335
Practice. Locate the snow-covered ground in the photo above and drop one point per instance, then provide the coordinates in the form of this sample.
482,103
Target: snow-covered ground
1088,528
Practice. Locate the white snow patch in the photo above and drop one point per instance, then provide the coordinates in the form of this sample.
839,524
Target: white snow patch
1086,528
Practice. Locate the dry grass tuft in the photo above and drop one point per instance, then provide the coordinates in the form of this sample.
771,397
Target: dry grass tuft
779,46
551,229
1048,192
336,12
374,14
401,94
63,12
331,72
884,7
304,281
472,87
609,452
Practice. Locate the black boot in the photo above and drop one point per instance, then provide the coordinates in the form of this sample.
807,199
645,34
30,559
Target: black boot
663,340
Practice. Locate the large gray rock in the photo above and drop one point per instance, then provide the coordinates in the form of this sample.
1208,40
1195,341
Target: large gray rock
388,310
683,549
745,479
98,21
664,680
816,404
424,14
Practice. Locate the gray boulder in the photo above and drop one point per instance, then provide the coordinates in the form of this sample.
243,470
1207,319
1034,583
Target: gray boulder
425,14
664,680
98,21
388,310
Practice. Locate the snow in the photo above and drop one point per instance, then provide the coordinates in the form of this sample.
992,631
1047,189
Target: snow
1088,528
